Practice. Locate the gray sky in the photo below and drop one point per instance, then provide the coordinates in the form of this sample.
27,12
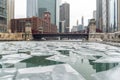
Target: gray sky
78,8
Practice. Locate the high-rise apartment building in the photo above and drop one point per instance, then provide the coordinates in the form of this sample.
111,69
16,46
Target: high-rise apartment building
38,7
6,14
65,15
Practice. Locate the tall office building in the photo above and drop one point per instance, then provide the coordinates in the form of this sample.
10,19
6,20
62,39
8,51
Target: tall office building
38,7
94,14
6,14
82,20
10,13
113,15
110,21
99,14
105,15
32,8
65,15
3,15
118,15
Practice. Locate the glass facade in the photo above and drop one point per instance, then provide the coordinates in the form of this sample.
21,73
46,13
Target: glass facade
37,7
99,14
105,11
3,8
31,8
50,6
113,16
65,15
3,15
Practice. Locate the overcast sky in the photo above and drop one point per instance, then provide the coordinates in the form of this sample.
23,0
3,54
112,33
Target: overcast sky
78,8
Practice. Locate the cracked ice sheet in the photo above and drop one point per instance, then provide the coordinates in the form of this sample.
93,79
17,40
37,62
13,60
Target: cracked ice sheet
61,58
112,53
113,74
111,59
56,72
7,73
7,77
100,47
14,58
45,53
85,52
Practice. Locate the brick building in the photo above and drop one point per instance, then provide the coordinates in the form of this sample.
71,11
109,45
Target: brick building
38,25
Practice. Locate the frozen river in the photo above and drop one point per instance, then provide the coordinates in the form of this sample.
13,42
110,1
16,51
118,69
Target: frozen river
58,60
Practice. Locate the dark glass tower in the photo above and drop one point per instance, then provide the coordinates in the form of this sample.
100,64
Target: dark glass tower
3,15
38,7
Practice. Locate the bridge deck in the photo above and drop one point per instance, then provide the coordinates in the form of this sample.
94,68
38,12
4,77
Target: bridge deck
65,35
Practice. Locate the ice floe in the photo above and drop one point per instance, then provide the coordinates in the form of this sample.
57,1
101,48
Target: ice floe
56,72
113,74
110,59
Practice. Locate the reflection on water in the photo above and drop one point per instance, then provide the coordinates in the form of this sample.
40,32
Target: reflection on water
64,52
87,67
102,66
36,61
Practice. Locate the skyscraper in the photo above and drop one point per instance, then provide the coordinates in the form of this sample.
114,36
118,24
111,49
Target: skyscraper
105,15
38,7
82,20
32,8
6,14
118,15
94,14
113,15
110,21
99,14
65,15
10,13
3,15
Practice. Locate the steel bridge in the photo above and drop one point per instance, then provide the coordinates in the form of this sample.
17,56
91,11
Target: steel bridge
61,35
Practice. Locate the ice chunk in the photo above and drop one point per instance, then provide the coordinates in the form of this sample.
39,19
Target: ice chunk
55,72
7,77
113,74
60,58
111,59
59,73
65,72
112,53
